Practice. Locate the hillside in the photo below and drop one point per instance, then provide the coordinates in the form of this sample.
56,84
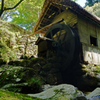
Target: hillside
14,42
34,75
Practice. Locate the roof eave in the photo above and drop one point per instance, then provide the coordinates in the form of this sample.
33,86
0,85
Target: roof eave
72,5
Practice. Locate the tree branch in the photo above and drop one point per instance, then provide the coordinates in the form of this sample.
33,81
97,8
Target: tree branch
14,6
2,8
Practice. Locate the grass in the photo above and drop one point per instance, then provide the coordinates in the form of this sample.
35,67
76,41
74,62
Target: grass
7,95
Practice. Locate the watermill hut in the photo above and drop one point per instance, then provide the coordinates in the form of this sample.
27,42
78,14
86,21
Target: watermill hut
70,13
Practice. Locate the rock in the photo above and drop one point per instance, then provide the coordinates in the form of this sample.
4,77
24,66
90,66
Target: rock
60,92
95,95
85,77
46,86
14,41
99,84
98,76
14,87
80,98
13,77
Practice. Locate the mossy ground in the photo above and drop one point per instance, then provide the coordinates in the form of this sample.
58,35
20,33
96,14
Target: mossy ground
7,95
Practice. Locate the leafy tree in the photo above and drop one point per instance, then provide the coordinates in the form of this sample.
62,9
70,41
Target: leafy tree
5,8
91,2
27,13
95,9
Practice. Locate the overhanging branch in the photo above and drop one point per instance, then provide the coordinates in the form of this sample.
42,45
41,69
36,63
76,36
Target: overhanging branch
2,8
14,6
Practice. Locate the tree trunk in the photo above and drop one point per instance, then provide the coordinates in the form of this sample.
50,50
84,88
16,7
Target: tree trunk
1,12
2,8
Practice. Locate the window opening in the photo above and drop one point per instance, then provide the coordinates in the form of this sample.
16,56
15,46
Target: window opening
93,41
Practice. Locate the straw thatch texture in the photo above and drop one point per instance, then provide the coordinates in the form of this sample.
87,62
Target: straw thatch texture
51,8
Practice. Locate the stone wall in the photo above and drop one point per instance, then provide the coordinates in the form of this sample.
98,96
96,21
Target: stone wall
27,46
14,42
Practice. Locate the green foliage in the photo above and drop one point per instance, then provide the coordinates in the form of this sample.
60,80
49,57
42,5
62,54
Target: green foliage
35,82
14,42
97,69
56,90
59,95
8,75
91,2
6,6
5,51
25,14
7,95
19,79
28,13
91,69
95,9
14,89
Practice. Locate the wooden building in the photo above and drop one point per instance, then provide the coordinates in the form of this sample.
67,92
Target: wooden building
86,24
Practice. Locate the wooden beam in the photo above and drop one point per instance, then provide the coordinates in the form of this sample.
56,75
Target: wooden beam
44,28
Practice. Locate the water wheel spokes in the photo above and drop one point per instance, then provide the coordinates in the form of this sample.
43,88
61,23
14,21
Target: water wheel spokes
66,42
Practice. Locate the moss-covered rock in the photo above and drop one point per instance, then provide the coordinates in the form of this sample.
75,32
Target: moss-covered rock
13,77
35,72
87,77
7,95
60,92
14,42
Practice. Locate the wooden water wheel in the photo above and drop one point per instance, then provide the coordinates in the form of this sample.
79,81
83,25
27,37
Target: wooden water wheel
67,43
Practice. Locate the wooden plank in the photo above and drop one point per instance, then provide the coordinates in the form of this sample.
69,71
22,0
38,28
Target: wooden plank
44,28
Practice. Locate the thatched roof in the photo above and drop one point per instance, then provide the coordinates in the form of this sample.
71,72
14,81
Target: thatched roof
51,8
